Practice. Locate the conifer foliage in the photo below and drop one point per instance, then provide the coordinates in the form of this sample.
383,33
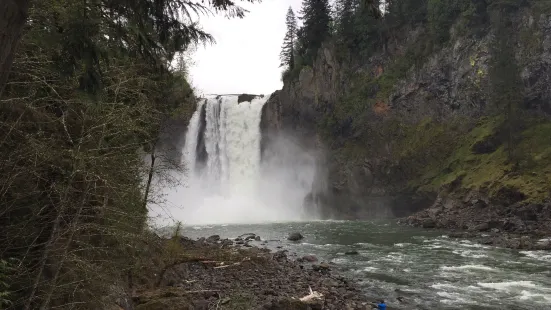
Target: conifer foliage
288,48
316,20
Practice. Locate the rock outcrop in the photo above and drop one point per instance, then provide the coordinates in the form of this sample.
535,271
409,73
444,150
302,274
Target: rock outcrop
371,170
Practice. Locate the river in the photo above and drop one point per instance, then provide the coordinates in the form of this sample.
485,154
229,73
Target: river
428,269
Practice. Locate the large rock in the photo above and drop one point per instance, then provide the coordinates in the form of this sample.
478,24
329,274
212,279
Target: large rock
213,239
296,236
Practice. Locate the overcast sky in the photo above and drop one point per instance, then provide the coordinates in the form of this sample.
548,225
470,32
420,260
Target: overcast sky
245,58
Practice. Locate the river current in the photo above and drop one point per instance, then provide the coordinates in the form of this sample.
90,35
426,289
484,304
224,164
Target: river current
426,268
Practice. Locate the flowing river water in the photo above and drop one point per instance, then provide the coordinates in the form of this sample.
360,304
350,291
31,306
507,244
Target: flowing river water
428,269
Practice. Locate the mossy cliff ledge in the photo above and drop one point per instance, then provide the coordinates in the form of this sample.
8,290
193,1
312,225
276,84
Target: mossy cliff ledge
412,124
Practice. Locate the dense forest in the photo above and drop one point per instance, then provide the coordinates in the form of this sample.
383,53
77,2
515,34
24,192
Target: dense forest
87,88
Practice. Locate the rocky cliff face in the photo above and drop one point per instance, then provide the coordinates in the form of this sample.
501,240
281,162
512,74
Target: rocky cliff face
368,158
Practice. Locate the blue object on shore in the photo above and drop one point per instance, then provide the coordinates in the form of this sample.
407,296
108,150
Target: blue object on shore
381,306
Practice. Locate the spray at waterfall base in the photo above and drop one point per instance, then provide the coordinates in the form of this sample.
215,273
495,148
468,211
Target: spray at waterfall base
229,179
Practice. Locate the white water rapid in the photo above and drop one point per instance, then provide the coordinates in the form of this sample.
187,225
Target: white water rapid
232,183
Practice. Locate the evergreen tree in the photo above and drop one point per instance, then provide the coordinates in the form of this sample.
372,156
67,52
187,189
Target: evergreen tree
288,49
344,18
316,26
504,73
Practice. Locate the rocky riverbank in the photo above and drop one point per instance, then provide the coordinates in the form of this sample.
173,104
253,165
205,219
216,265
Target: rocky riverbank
520,225
216,273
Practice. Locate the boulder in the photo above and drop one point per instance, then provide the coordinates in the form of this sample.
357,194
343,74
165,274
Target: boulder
213,239
227,242
428,223
247,236
296,236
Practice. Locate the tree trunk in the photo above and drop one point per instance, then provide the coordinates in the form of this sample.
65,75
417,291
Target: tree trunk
13,15
150,176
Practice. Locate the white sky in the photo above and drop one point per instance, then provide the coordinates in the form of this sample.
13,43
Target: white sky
245,57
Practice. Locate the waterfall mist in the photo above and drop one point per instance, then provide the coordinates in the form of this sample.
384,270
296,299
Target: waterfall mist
229,179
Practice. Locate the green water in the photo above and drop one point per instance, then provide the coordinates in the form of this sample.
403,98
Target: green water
428,269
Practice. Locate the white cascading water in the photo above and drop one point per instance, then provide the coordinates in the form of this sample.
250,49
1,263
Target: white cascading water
235,185
191,136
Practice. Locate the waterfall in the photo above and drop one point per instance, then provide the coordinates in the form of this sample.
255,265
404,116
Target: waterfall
234,184
232,141
192,134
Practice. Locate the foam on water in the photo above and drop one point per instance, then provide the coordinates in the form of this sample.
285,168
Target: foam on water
468,267
507,286
543,256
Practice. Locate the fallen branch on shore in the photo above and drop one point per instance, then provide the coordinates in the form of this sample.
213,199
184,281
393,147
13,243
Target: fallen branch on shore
200,291
226,266
313,297
234,264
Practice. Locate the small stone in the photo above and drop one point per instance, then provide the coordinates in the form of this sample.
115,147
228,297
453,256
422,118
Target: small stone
353,252
257,238
321,267
308,258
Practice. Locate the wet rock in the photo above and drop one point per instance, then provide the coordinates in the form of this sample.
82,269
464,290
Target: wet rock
428,223
353,252
456,234
213,239
296,236
280,255
247,236
226,242
528,213
525,242
544,244
479,203
308,258
481,227
257,238
245,97
323,267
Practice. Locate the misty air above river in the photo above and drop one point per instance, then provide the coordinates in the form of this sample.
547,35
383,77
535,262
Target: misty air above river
228,178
